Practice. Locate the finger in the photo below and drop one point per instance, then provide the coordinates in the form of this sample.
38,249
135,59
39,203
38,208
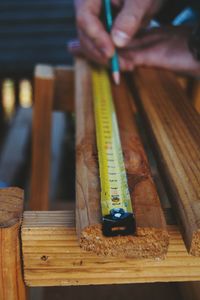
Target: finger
94,29
77,48
146,43
90,50
128,21
74,47
147,39
171,58
155,55
117,3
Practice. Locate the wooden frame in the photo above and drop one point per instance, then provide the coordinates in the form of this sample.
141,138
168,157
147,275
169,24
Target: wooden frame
53,90
50,254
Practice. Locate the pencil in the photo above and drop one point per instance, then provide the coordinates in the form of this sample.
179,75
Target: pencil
114,59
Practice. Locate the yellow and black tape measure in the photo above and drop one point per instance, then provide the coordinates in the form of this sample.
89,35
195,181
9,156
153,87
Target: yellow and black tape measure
117,212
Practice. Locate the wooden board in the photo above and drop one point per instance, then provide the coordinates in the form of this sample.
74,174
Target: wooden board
175,127
43,103
52,257
151,239
11,280
11,206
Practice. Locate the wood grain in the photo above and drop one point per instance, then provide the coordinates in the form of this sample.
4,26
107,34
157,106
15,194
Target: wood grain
175,127
41,140
151,239
52,257
11,208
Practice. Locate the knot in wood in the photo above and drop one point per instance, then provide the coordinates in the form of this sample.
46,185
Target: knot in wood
44,258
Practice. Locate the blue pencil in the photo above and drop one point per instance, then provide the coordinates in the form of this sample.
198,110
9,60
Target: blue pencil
114,59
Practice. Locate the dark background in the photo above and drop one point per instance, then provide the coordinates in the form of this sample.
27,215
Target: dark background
34,31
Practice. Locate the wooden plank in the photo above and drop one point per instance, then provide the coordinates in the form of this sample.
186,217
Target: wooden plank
11,281
151,239
176,132
18,135
41,140
52,257
64,89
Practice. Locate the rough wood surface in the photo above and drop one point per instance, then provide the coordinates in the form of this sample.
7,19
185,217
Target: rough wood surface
11,208
176,134
41,141
52,257
151,239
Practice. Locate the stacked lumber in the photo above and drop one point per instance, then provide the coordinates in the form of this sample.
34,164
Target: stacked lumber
151,239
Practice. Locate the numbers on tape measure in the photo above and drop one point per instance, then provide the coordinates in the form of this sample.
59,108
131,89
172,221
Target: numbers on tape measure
116,203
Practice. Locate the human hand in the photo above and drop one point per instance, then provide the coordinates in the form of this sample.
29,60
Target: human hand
161,47
96,43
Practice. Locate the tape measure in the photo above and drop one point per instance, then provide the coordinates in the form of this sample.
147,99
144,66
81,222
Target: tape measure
116,206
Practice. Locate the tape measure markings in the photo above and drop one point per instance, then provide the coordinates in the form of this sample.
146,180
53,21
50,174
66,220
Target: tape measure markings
115,197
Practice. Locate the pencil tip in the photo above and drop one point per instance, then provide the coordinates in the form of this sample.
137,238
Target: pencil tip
116,77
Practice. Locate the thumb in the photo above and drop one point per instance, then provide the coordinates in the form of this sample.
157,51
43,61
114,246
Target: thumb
127,22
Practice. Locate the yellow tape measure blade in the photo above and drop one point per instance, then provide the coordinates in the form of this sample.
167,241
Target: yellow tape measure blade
117,212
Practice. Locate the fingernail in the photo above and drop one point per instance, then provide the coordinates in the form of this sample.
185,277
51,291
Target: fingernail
73,44
120,38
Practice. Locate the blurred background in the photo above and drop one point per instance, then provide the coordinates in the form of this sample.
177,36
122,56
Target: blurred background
31,32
